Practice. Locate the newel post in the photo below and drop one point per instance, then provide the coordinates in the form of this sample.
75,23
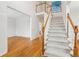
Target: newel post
43,40
75,52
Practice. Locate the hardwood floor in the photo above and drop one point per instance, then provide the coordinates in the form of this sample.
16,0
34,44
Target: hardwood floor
23,47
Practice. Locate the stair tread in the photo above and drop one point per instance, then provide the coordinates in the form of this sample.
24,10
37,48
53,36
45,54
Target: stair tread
54,55
57,31
56,35
56,24
59,39
50,55
58,52
58,43
57,27
57,21
64,46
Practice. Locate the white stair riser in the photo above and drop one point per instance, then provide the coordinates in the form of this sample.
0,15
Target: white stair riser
57,24
58,43
57,31
50,55
57,21
57,40
57,35
57,28
57,52
58,46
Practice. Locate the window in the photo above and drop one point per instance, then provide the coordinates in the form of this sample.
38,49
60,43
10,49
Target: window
56,6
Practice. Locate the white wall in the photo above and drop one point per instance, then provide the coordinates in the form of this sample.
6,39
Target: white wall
28,7
11,26
25,7
18,24
23,26
73,7
3,29
74,12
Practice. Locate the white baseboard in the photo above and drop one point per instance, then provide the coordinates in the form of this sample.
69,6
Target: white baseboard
20,36
32,38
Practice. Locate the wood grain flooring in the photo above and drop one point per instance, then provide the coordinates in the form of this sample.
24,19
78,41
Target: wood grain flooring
24,47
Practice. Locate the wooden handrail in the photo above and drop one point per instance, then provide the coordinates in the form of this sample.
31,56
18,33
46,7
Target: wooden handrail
43,30
47,20
75,28
70,20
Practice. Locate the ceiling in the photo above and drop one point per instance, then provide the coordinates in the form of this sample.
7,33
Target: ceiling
14,14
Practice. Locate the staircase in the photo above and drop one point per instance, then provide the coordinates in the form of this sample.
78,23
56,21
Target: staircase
57,44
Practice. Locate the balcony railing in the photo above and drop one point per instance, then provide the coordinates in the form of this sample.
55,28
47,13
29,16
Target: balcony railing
42,7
